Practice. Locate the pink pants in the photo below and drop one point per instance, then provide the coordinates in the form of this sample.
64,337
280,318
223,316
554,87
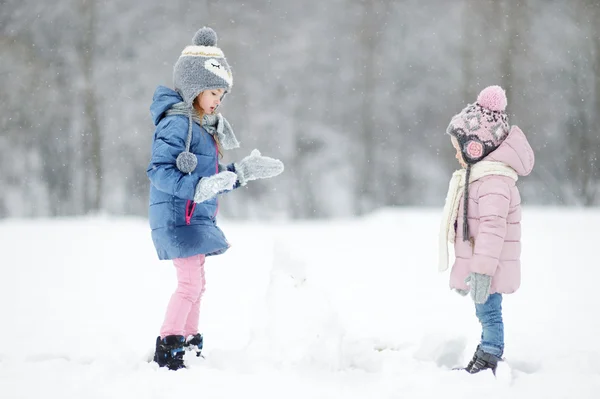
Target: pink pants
183,311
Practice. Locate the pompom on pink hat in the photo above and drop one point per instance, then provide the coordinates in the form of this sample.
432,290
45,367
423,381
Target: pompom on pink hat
481,127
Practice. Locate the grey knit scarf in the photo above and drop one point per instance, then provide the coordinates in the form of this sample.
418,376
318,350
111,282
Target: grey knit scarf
214,124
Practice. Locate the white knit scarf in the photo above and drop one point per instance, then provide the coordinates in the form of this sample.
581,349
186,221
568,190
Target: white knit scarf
455,193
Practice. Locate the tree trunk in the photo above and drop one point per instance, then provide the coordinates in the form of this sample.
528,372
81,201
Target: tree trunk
365,162
508,9
468,91
368,189
91,145
594,178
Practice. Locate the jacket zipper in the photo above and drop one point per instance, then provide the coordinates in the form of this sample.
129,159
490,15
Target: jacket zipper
189,211
191,205
216,171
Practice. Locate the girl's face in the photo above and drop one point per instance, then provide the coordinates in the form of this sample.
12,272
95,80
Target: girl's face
209,100
459,157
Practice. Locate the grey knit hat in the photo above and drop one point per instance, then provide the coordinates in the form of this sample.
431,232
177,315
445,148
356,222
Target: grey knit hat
201,66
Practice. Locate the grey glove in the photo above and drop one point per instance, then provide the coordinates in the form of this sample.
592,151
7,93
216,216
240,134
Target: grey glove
460,292
210,186
255,166
480,285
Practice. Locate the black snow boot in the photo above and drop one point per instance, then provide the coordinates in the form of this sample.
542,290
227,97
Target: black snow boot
195,343
482,361
169,352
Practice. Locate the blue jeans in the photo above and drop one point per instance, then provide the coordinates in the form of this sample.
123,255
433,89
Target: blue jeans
490,317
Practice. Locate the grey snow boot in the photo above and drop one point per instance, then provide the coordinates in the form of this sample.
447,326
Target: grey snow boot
482,361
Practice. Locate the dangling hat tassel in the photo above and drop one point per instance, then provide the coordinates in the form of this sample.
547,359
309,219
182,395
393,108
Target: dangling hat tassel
466,205
186,161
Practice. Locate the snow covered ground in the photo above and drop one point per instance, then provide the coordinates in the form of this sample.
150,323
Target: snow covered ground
331,309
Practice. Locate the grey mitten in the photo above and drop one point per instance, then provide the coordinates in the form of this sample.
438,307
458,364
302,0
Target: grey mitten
460,292
255,166
480,285
210,186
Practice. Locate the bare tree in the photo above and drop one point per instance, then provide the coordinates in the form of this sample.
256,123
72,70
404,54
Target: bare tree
468,38
594,162
369,189
582,138
91,143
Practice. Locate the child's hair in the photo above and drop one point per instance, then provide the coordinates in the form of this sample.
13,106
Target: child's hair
200,112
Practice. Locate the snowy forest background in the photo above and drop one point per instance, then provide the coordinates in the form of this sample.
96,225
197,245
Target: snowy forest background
354,96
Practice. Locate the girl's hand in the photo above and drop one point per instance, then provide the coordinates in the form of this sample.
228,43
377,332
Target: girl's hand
210,186
480,285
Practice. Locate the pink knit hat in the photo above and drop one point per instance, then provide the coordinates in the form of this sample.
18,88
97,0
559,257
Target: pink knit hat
481,127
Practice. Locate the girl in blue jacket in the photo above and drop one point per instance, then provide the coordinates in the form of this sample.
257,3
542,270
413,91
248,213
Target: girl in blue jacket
186,178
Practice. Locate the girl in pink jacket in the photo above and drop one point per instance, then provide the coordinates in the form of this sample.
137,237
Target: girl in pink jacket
482,215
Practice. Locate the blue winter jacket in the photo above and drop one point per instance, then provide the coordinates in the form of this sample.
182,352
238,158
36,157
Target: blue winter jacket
180,227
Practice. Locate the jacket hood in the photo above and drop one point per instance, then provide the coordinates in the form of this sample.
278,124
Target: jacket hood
515,152
163,99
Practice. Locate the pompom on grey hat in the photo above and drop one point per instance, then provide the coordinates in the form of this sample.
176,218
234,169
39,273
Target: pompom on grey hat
201,66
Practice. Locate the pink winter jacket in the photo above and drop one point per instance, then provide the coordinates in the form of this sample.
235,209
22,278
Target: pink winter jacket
494,217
